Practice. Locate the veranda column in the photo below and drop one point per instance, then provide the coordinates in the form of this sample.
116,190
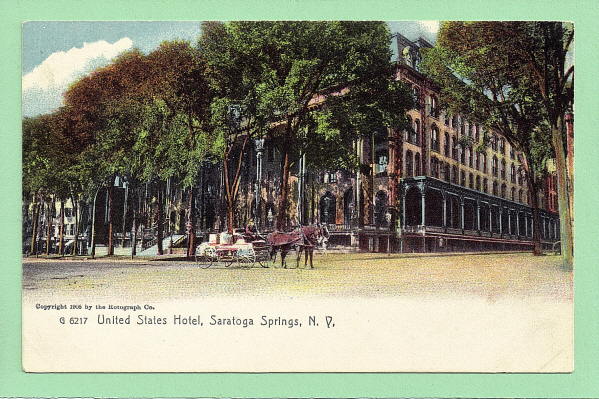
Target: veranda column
423,204
501,222
444,212
478,216
462,214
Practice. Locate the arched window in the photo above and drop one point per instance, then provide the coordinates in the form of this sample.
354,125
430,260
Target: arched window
462,154
520,178
446,145
485,185
454,148
434,167
503,191
417,164
381,203
454,175
503,169
434,110
328,208
495,188
468,157
416,96
416,133
494,166
493,142
520,195
512,173
348,206
409,162
447,172
513,194
502,145
471,181
477,183
483,161
463,178
435,146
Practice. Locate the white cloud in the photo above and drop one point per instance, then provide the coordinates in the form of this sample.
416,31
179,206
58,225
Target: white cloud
431,27
52,77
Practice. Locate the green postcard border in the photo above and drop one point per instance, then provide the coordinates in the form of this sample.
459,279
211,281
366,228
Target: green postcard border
581,383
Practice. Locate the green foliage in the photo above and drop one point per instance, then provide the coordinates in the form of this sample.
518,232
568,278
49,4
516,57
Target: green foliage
327,81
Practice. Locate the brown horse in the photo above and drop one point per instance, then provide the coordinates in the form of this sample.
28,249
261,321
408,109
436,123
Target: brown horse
301,239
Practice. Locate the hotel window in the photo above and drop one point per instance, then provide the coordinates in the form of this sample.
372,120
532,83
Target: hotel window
503,169
446,145
485,185
468,157
446,118
477,183
434,167
483,161
495,187
503,191
520,178
409,160
332,177
416,133
417,164
512,173
494,166
463,178
447,173
454,175
416,96
435,146
454,148
513,194
471,181
502,145
493,141
434,111
381,165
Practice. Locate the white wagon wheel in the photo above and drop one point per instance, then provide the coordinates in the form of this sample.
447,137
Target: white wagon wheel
246,257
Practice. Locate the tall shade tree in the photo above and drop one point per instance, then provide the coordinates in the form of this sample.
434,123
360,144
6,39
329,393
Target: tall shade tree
483,74
305,83
142,116
544,47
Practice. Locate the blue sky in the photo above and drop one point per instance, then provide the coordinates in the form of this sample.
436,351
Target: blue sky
56,53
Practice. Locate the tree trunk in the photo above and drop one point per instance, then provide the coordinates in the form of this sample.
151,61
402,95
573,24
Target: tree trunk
134,235
51,213
281,219
159,231
61,237
36,215
567,244
76,209
534,203
110,222
191,226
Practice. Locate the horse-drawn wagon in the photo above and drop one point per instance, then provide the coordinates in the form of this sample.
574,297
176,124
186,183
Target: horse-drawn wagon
246,250
233,250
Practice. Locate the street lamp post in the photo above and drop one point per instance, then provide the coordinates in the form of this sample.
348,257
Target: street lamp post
93,245
259,153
